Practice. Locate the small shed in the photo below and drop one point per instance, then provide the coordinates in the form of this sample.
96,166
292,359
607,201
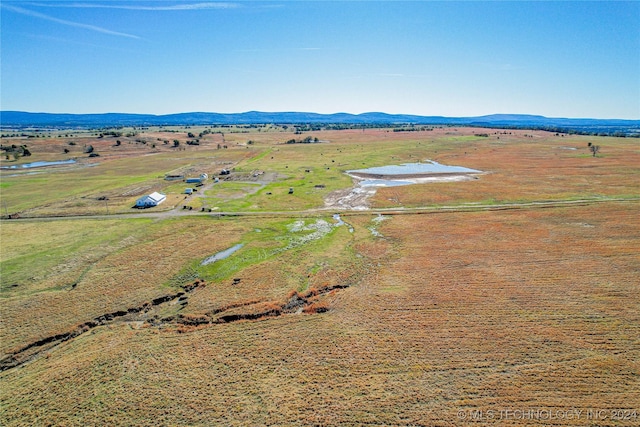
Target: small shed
153,199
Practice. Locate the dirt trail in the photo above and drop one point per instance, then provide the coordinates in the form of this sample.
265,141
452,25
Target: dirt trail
334,207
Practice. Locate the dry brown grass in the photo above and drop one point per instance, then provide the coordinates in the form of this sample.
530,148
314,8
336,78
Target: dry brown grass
481,311
522,168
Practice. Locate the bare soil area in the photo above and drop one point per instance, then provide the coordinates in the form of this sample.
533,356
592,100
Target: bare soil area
355,198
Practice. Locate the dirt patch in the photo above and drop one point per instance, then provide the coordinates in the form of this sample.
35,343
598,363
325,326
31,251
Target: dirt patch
355,198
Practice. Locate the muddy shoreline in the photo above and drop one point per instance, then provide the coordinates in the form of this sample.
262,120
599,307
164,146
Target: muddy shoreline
364,175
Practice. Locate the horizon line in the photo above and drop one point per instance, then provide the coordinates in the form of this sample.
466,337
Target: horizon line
326,114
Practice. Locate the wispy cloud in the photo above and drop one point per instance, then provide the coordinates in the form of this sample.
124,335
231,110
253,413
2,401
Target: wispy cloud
181,6
78,42
95,28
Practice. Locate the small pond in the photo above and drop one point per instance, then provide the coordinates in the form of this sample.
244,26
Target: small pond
40,164
409,173
222,254
414,169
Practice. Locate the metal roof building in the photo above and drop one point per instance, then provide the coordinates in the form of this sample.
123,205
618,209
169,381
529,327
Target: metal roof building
153,199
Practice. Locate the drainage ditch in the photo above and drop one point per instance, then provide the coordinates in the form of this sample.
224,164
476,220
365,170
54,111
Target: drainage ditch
308,302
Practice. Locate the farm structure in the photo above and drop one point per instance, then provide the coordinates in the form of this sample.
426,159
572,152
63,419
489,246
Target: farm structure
198,180
153,199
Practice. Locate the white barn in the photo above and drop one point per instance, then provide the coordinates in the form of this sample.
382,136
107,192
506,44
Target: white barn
153,199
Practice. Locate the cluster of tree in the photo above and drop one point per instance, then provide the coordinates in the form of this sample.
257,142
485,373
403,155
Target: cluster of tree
306,128
110,133
176,143
307,140
103,129
342,126
482,135
14,135
404,127
21,135
239,126
16,151
584,130
412,129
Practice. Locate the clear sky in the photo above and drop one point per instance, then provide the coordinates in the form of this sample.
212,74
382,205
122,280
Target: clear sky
449,58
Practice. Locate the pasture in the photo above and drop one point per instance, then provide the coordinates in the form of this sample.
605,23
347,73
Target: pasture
440,304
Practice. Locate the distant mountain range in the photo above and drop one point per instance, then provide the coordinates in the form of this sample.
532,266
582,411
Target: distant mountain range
23,119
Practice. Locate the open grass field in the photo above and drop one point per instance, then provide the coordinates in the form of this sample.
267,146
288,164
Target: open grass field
437,306
520,166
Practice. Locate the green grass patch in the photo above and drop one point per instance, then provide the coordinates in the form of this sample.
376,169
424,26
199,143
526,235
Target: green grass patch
31,260
259,245
311,238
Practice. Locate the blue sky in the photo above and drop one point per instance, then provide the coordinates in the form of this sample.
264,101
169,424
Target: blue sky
450,58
